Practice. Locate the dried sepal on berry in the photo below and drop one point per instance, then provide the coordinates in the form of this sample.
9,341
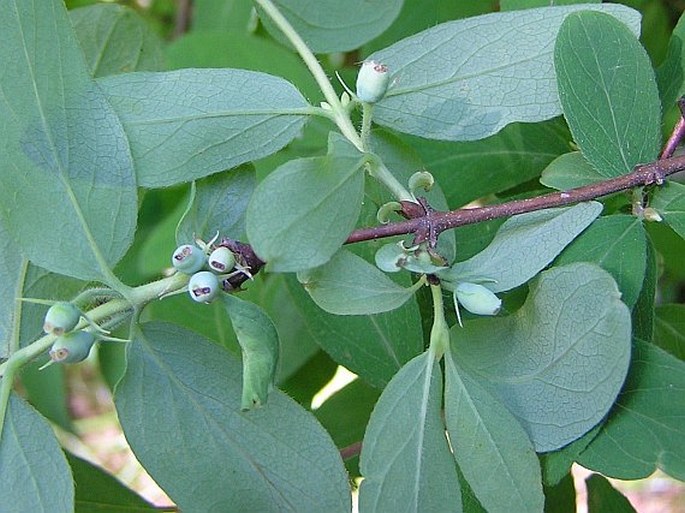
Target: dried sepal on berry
188,258
372,81
203,286
221,260
72,347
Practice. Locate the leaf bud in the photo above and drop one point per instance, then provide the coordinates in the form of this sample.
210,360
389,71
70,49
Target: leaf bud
61,318
477,299
72,348
188,258
203,286
221,260
372,81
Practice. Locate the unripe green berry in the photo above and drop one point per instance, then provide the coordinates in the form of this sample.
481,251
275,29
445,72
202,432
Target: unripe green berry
61,318
203,286
372,81
221,260
477,299
72,347
188,258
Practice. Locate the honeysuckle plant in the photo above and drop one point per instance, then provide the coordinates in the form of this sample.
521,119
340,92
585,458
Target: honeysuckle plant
219,221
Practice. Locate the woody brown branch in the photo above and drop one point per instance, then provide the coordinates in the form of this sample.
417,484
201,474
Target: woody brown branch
643,175
435,222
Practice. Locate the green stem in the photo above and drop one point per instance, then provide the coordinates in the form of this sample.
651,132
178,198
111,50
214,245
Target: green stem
340,115
136,298
440,335
367,116
381,173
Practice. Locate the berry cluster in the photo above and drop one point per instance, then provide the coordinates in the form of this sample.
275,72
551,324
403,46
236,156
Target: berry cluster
206,270
70,346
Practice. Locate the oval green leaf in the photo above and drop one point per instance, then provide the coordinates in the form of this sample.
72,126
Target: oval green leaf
331,26
218,206
568,171
12,268
645,430
467,79
523,246
259,344
349,285
405,459
68,183
608,92
301,214
473,169
33,470
669,201
559,362
190,123
374,346
493,451
618,245
179,405
116,39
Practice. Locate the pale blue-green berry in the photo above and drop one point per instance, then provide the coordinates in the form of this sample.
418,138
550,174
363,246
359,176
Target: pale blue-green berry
477,299
203,286
221,260
188,258
61,318
372,81
72,347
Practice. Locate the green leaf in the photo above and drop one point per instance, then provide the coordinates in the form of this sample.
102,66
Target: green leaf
466,79
473,169
179,405
243,50
218,206
513,5
190,123
297,343
373,346
568,171
516,254
670,329
302,213
46,390
561,498
618,245
97,490
601,497
671,74
557,464
405,459
225,15
12,268
115,39
349,285
258,341
669,201
33,471
68,182
645,429
643,315
608,92
418,15
559,362
493,451
331,26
